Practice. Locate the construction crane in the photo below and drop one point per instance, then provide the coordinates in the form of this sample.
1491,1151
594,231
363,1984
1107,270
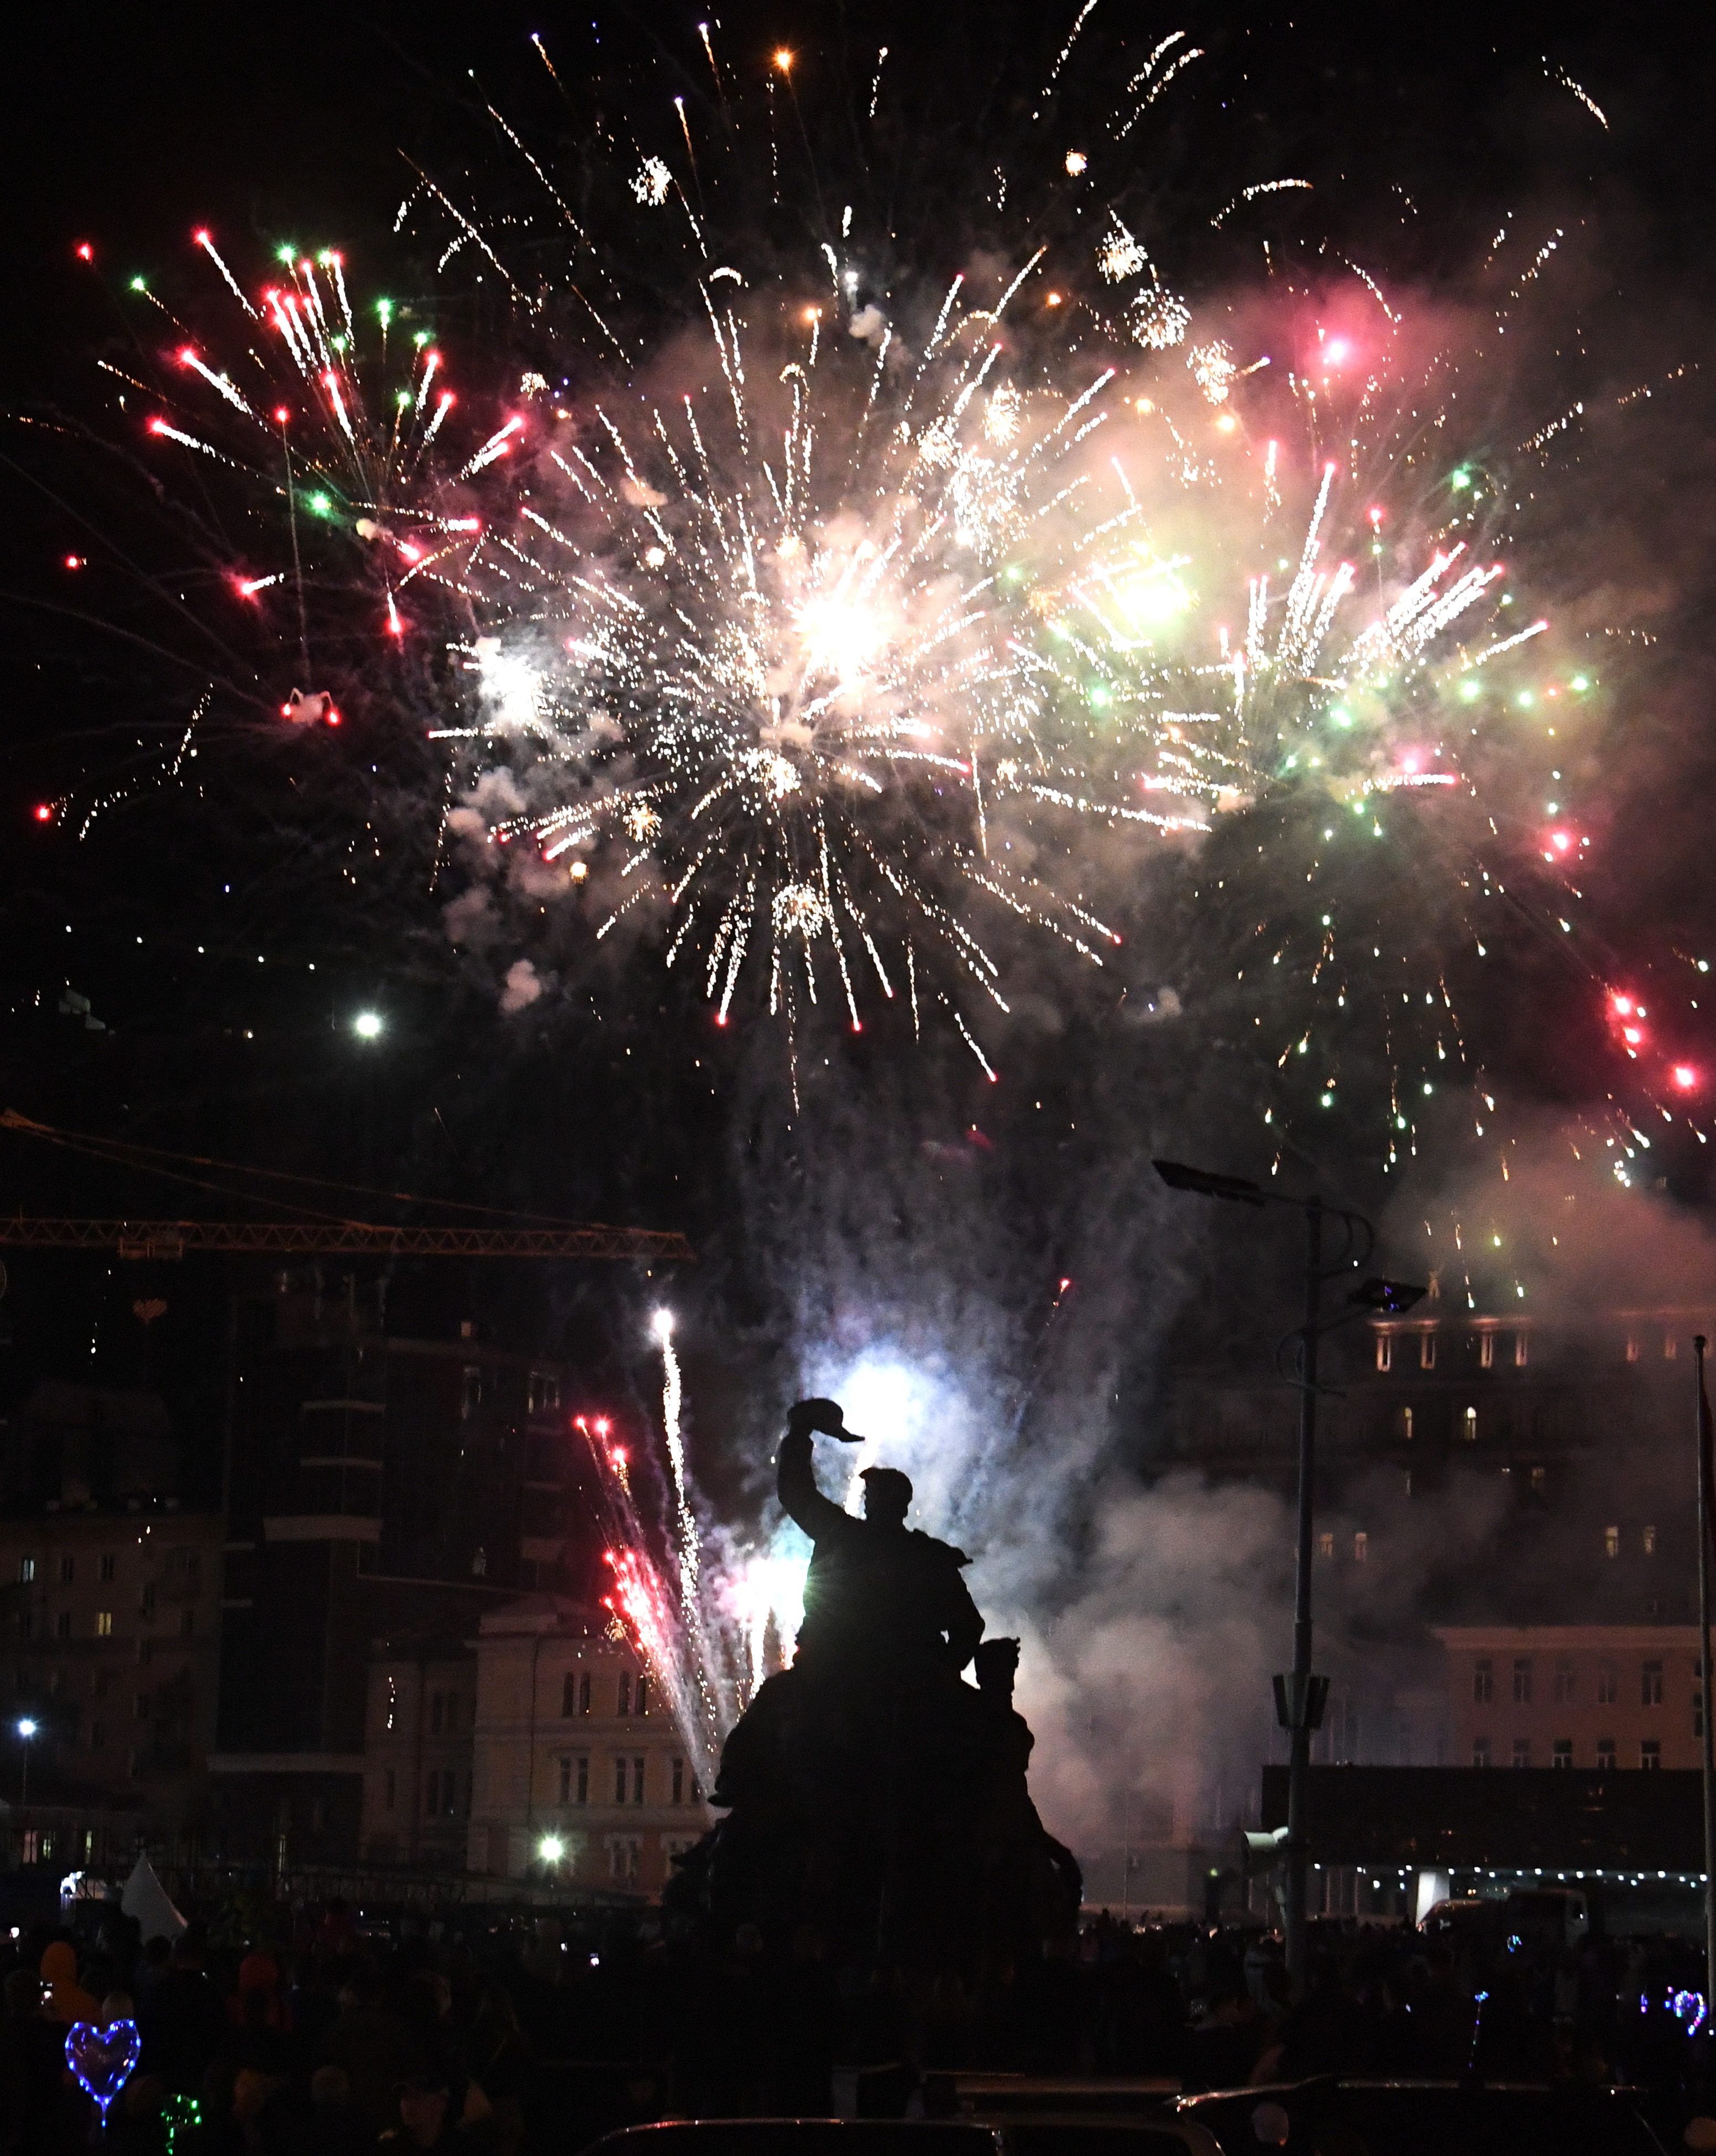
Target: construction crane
175,1238
503,1233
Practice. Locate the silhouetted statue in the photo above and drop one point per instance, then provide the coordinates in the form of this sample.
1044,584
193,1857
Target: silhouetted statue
879,1594
871,1795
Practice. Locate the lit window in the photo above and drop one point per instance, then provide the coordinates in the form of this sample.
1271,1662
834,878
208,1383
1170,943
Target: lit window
1521,1350
1325,1545
1608,1685
1540,1481
1361,1547
1485,1351
1632,1347
26,1570
1671,1347
1563,1751
1426,1351
544,1392
1405,1425
1468,1426
1650,1541
103,1624
1611,1541
1522,1751
1650,1688
1606,1755
1385,1351
1650,1752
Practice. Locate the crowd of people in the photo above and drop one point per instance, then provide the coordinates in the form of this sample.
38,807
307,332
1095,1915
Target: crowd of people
266,2030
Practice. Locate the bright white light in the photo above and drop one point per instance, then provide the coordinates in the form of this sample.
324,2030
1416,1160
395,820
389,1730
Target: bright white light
26,1729
367,1024
551,1849
662,1325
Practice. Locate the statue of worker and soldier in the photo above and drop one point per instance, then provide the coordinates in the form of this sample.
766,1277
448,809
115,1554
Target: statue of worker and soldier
872,1797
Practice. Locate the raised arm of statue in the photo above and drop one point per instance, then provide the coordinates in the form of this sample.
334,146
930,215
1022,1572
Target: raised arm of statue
802,1503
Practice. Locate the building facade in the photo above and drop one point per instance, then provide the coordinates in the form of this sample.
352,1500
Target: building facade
579,1772
418,1753
378,1485
1590,1696
109,1596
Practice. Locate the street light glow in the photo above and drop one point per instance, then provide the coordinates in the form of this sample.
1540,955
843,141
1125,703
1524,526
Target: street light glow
367,1025
26,1729
551,1849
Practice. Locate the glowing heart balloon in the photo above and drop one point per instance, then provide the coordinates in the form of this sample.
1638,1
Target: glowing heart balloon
104,2060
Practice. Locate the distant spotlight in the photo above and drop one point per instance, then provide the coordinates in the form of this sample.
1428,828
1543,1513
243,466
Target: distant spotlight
367,1025
551,1849
26,1729
783,60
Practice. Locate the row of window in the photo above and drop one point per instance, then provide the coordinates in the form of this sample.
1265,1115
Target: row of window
631,1694
1427,1350
1487,1349
541,1391
180,1563
103,1627
1566,1679
629,1776
1650,1752
440,1792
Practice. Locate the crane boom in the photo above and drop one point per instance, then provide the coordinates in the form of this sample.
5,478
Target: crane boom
173,1238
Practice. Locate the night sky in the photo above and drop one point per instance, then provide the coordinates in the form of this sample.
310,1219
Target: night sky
218,933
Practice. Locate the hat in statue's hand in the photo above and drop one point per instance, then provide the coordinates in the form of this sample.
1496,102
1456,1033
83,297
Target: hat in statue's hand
823,1416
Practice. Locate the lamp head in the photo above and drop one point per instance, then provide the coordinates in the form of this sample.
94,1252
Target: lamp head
1388,1297
1204,1183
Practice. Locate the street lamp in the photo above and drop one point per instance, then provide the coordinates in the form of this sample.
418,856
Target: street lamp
550,1849
1299,1697
26,1731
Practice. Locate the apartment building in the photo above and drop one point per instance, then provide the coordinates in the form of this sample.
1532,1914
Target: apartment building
579,1770
419,1728
1595,1695
109,1596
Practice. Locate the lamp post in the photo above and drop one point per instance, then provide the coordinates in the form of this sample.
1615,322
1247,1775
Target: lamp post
1299,1697
26,1731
